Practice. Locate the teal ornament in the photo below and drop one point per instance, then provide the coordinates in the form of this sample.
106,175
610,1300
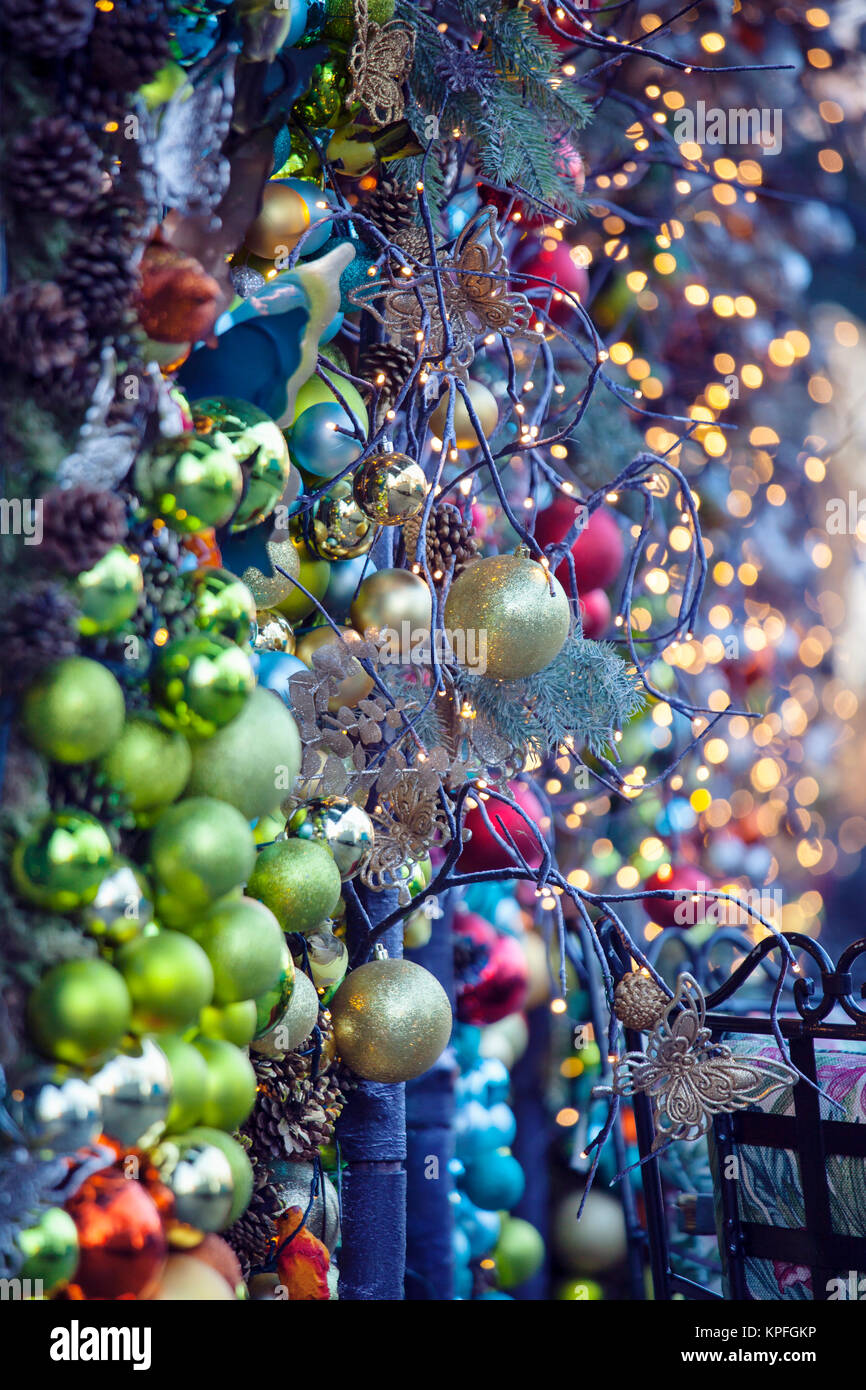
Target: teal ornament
355,275
275,670
343,583
496,1182
317,443
268,344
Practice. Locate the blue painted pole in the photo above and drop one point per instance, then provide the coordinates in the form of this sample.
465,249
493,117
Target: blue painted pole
430,1147
372,1136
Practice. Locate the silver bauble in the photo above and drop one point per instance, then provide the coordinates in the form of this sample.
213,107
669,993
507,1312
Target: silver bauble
121,908
56,1112
295,1025
135,1088
200,1177
292,1183
341,826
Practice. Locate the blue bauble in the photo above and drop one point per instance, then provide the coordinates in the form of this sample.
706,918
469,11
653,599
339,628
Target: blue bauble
495,1295
472,1085
344,580
496,1182
481,1228
495,1080
502,1126
333,327
316,444
276,669
466,1041
298,13
460,1246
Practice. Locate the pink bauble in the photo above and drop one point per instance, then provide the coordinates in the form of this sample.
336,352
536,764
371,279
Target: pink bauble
483,852
561,266
595,612
598,552
492,971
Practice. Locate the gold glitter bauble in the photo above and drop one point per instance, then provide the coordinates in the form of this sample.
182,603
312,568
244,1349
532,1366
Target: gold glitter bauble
281,223
390,488
270,589
389,598
357,686
391,1020
341,530
485,406
510,622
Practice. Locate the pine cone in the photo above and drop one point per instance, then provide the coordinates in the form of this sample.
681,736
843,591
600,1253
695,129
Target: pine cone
54,166
35,631
638,1001
129,44
100,278
390,206
450,540
39,332
392,362
47,35
68,389
295,1113
253,1236
88,101
79,525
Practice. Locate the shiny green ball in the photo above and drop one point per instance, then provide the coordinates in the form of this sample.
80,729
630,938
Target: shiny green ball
234,1023
340,17
199,683
74,711
273,1002
60,865
192,481
258,444
200,849
230,1090
78,1010
169,978
299,881
149,764
519,1252
107,595
222,603
324,97
253,761
243,941
242,1173
188,1077
50,1249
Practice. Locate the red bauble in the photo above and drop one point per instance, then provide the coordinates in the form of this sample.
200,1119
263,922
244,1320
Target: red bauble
483,852
598,552
120,1235
567,30
595,612
494,968
749,669
690,907
561,265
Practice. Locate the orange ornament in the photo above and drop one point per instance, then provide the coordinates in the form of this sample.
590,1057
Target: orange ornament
177,301
121,1238
303,1264
203,546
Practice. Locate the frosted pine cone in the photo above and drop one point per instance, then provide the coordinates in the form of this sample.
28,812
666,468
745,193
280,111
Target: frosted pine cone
638,1001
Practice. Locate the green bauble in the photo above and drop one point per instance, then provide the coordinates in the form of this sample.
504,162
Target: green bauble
122,906
222,603
230,1091
148,764
242,1173
259,445
243,942
170,980
340,17
234,1023
314,574
200,850
519,1252
315,391
61,863
108,594
253,762
267,828
323,99
74,711
50,1249
273,1002
199,683
299,881
192,481
78,1010
189,1079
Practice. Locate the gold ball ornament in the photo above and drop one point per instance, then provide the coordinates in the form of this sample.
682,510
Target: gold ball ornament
187,1279
273,633
259,445
199,683
192,481
390,488
284,217
107,595
338,823
299,881
514,612
341,530
222,603
388,599
392,1020
486,408
296,1022
357,685
61,863
74,711
283,567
